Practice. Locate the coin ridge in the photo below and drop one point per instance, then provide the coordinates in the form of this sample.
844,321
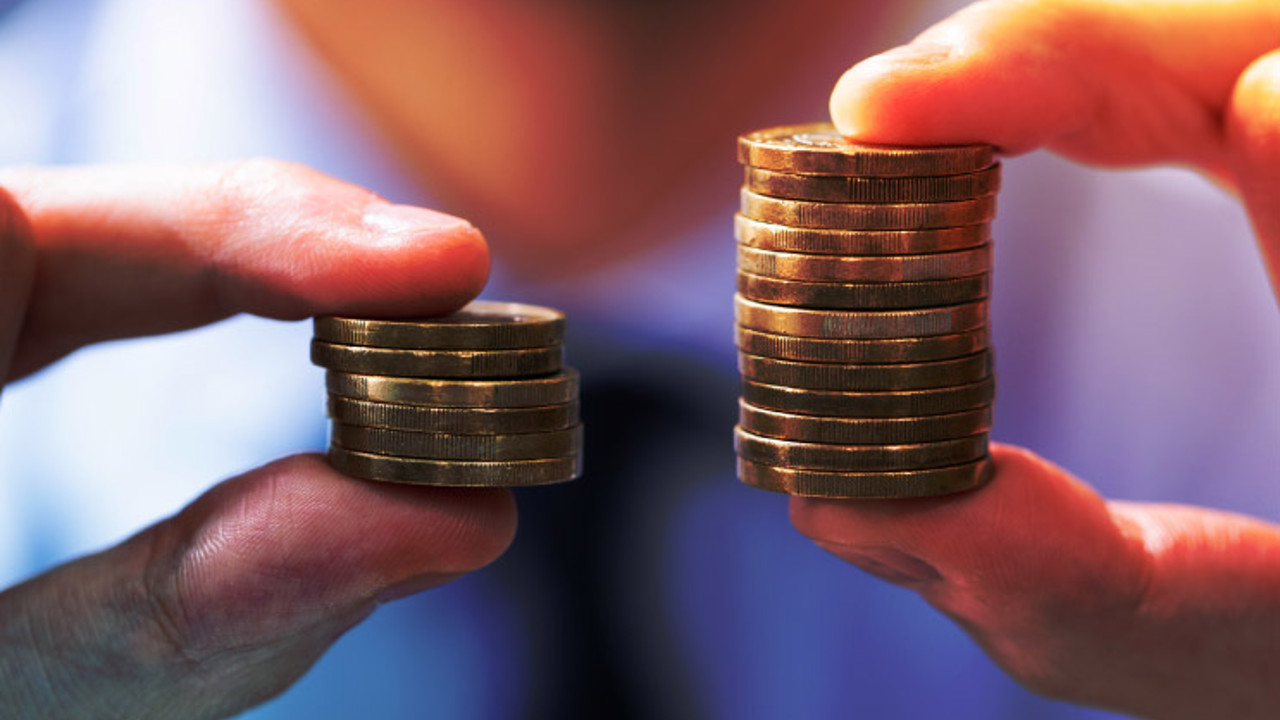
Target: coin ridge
859,325
870,403
829,241
887,485
398,362
866,376
793,148
433,392
864,296
858,458
454,446
850,189
870,216
862,431
462,420
524,326
417,471
876,268
890,350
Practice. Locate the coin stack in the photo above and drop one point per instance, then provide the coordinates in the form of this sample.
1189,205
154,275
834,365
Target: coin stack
477,398
863,274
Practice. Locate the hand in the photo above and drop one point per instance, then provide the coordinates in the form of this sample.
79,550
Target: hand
1157,610
227,603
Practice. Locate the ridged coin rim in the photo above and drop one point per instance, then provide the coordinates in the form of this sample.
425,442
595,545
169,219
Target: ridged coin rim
881,485
516,473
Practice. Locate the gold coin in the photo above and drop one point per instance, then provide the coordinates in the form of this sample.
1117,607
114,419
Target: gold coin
864,296
859,325
452,473
450,446
887,485
529,392
842,216
786,347
881,268
481,325
862,431
844,376
772,236
870,404
858,458
437,363
818,149
833,188
467,421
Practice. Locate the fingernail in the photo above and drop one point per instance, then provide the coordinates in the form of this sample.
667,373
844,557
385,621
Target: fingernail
395,222
886,563
919,53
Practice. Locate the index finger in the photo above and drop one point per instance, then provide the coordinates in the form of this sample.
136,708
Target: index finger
124,251
1114,82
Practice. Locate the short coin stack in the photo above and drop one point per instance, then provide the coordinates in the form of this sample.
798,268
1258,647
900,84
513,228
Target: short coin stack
863,274
476,398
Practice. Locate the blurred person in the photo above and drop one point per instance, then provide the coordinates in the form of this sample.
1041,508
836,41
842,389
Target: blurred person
656,586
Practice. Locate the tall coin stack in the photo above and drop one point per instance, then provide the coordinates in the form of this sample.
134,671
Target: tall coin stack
863,274
478,398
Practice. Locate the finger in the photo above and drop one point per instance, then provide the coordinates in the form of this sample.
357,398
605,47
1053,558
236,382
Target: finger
1160,611
17,267
1103,81
1253,133
137,250
226,604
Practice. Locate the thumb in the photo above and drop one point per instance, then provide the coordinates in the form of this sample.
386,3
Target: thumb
1253,139
17,271
226,604
1160,611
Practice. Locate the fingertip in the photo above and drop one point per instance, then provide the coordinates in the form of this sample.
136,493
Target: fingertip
879,100
1253,136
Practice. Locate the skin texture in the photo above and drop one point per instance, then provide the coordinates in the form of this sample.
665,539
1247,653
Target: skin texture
227,603
1157,610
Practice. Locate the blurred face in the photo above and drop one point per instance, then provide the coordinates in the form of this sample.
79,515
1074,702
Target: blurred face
575,134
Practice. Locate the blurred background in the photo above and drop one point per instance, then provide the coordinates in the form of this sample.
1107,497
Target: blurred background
593,142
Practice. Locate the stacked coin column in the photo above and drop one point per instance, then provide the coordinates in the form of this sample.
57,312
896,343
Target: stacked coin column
477,398
863,273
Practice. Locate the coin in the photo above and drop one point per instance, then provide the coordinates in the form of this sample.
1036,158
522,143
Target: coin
516,473
870,404
881,268
818,149
842,216
845,376
854,325
481,325
529,392
901,484
786,347
864,296
833,188
858,458
771,236
451,446
437,363
469,421
862,431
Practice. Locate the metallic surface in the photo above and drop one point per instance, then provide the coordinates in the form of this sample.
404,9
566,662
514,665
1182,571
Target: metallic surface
911,349
451,446
561,387
470,421
481,325
832,188
818,149
883,268
864,296
846,376
841,216
772,236
453,473
888,485
858,458
855,325
437,363
870,404
862,431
